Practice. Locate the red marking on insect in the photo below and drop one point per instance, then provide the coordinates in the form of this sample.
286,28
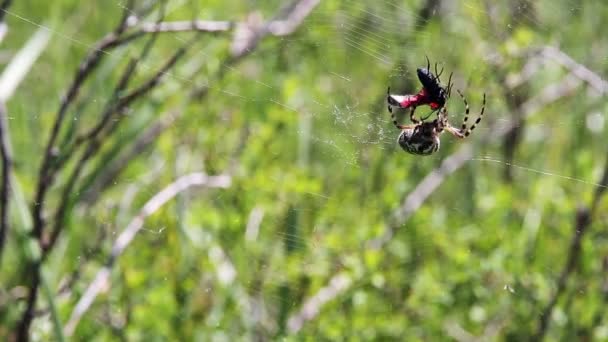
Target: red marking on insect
432,93
434,105
406,101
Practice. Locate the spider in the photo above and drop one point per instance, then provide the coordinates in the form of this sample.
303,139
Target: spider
432,93
422,138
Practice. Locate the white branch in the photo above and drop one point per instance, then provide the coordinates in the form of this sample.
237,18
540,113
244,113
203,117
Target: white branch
22,63
579,70
100,282
187,26
337,285
253,224
248,34
293,19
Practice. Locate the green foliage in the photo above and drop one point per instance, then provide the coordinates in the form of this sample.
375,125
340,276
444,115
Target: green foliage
301,126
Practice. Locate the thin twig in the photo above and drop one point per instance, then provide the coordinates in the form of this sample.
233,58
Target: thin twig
598,317
6,155
293,18
115,167
127,75
248,34
109,111
124,239
10,79
3,7
551,93
310,309
147,138
96,143
20,65
207,26
582,222
111,105
253,224
47,171
65,287
579,70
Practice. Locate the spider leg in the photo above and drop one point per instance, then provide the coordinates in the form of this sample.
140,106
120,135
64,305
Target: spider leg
388,93
466,112
428,63
412,117
414,120
442,120
450,84
438,73
483,107
441,124
464,131
454,131
428,115
395,121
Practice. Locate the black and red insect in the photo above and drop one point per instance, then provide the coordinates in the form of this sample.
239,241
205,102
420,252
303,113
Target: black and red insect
432,93
422,137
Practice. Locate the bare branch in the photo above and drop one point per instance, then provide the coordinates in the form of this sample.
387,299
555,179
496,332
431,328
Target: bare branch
457,332
248,34
154,80
582,222
11,77
6,155
126,236
253,224
114,105
22,63
493,328
551,93
111,106
51,165
66,285
431,182
3,7
579,70
23,327
601,188
48,170
293,19
310,309
95,143
140,144
187,26
46,173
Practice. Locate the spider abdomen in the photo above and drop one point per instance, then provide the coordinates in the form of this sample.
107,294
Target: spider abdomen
419,141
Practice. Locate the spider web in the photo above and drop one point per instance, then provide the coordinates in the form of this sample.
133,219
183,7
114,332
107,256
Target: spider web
343,129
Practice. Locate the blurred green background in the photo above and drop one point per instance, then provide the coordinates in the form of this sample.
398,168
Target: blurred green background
328,230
